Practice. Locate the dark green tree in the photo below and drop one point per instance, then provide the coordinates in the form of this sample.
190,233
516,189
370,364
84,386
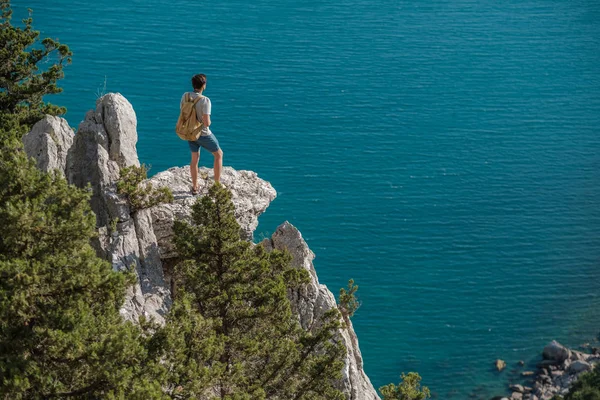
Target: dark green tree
29,69
231,333
61,334
409,389
141,195
348,303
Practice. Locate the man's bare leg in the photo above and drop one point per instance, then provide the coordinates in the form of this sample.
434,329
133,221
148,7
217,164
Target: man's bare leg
194,169
218,164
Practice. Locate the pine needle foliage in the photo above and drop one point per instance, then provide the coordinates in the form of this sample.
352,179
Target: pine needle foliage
61,334
231,333
141,195
348,302
29,69
409,389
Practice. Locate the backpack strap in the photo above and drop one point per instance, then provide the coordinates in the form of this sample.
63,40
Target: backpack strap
196,100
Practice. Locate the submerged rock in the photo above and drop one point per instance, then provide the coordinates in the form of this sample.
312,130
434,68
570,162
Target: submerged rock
500,365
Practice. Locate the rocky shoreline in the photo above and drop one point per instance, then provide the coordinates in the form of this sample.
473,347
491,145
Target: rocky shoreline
559,368
104,144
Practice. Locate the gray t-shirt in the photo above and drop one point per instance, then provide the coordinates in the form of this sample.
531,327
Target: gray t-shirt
202,108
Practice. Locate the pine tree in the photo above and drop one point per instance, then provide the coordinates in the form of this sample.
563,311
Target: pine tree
61,334
348,303
408,389
231,333
22,83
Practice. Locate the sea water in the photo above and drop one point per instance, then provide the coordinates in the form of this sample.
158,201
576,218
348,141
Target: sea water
444,154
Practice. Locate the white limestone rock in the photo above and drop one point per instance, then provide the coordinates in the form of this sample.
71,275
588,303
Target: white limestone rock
105,143
49,142
250,195
120,123
316,299
89,162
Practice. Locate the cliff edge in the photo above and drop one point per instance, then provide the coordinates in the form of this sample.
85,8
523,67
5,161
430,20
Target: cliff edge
104,144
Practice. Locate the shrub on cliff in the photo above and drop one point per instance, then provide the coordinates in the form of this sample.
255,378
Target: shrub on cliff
231,331
61,334
141,195
409,389
22,83
348,303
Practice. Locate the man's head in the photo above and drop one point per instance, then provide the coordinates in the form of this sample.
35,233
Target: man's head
199,82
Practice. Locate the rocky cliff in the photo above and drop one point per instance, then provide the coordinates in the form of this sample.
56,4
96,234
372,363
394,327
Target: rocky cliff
106,142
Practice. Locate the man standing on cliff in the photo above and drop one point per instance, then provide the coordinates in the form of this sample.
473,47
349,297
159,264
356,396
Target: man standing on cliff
206,138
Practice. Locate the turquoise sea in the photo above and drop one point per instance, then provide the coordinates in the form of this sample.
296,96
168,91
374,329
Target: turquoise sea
444,154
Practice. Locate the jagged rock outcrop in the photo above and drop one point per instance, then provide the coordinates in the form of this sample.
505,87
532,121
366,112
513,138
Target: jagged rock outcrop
313,301
250,194
104,144
100,150
49,142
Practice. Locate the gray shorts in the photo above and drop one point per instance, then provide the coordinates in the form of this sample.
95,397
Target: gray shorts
209,142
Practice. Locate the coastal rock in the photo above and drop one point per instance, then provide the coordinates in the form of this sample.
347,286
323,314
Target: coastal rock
316,299
555,376
48,143
547,364
500,365
517,388
556,352
88,162
304,301
151,281
579,366
105,143
120,123
577,355
250,195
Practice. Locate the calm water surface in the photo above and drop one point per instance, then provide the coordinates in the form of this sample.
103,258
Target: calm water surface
444,154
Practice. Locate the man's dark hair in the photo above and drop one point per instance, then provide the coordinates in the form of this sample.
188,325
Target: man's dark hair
198,81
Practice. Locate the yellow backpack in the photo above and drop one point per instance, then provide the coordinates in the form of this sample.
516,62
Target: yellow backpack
188,127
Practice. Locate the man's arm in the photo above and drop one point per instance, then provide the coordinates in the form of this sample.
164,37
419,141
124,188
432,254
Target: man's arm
206,119
206,108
